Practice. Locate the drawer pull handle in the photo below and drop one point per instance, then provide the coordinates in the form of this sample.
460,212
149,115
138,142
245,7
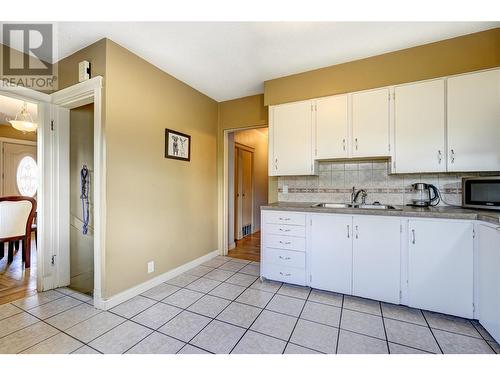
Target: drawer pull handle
284,218
348,231
285,243
285,230
284,258
413,236
285,274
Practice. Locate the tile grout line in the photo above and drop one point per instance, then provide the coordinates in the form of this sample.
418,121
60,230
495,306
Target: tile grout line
298,318
430,329
385,330
340,323
257,317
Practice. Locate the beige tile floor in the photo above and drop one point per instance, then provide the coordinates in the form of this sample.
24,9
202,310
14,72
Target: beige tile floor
222,307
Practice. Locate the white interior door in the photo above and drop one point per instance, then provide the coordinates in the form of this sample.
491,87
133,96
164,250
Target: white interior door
474,122
419,126
370,123
244,192
332,126
18,162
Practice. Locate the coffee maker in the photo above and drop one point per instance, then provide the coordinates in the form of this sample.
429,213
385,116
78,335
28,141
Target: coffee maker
428,195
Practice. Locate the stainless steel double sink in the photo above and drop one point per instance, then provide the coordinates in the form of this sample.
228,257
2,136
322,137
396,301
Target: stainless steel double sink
373,206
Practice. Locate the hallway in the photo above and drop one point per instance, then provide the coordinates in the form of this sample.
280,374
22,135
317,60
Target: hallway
247,248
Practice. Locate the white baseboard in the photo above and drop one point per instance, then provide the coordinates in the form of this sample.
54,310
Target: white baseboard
106,304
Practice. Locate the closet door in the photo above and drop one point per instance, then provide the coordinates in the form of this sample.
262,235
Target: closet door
370,123
474,122
419,127
331,127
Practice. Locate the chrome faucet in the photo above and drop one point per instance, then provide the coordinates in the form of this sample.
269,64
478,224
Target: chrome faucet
355,195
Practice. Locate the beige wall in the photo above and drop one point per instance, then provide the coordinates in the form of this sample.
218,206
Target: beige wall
157,209
8,131
68,67
458,55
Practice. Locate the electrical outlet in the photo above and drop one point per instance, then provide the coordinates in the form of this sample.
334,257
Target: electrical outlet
285,189
151,266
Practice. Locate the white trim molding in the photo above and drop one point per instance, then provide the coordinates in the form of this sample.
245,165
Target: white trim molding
106,304
72,97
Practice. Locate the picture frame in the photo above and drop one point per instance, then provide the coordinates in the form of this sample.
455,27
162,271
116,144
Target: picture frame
177,145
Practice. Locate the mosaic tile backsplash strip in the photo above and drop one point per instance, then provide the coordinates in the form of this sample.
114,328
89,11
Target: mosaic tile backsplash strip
336,179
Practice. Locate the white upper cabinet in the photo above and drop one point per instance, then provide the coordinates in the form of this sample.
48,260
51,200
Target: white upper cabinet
370,123
332,127
419,127
290,139
440,266
474,122
330,253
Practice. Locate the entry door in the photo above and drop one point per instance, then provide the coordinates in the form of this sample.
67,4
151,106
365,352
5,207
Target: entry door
244,192
13,154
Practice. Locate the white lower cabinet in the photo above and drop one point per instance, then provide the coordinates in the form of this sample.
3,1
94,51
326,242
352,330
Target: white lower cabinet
489,279
330,253
376,258
440,266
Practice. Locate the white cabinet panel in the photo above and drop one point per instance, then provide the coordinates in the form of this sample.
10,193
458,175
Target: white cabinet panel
474,122
291,128
285,274
285,242
376,258
440,266
489,279
332,125
287,230
284,217
330,253
285,258
370,123
419,127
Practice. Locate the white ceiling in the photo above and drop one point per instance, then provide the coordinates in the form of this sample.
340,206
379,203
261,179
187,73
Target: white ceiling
227,60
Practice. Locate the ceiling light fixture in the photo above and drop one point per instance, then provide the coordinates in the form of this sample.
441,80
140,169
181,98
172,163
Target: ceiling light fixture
24,121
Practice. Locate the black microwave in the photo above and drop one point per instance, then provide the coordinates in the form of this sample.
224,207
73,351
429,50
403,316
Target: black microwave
481,192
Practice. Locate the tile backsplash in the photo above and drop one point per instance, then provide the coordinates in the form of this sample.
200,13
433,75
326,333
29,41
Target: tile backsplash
336,179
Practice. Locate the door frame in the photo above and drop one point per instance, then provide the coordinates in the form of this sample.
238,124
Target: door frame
80,94
225,183
42,100
239,146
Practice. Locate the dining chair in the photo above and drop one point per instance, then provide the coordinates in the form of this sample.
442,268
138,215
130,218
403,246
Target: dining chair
16,218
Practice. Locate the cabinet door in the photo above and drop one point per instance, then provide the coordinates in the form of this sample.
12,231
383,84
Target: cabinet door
474,122
291,126
331,127
370,123
489,279
376,258
330,253
440,266
419,126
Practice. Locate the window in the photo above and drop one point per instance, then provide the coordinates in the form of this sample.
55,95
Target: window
27,177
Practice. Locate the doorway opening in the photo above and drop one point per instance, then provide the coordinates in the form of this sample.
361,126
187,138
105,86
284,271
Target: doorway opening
247,191
81,171
19,177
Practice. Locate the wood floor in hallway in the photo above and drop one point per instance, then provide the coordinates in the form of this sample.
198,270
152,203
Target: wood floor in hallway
247,248
15,280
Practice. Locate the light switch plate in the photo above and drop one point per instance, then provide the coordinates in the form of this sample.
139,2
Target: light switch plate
151,267
83,71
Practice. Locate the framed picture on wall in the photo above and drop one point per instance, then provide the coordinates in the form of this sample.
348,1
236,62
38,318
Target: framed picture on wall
177,145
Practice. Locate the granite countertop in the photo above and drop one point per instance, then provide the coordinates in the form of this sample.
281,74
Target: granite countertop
441,212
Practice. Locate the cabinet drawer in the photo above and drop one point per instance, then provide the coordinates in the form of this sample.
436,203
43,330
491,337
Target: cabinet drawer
290,275
291,218
285,230
285,258
285,242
